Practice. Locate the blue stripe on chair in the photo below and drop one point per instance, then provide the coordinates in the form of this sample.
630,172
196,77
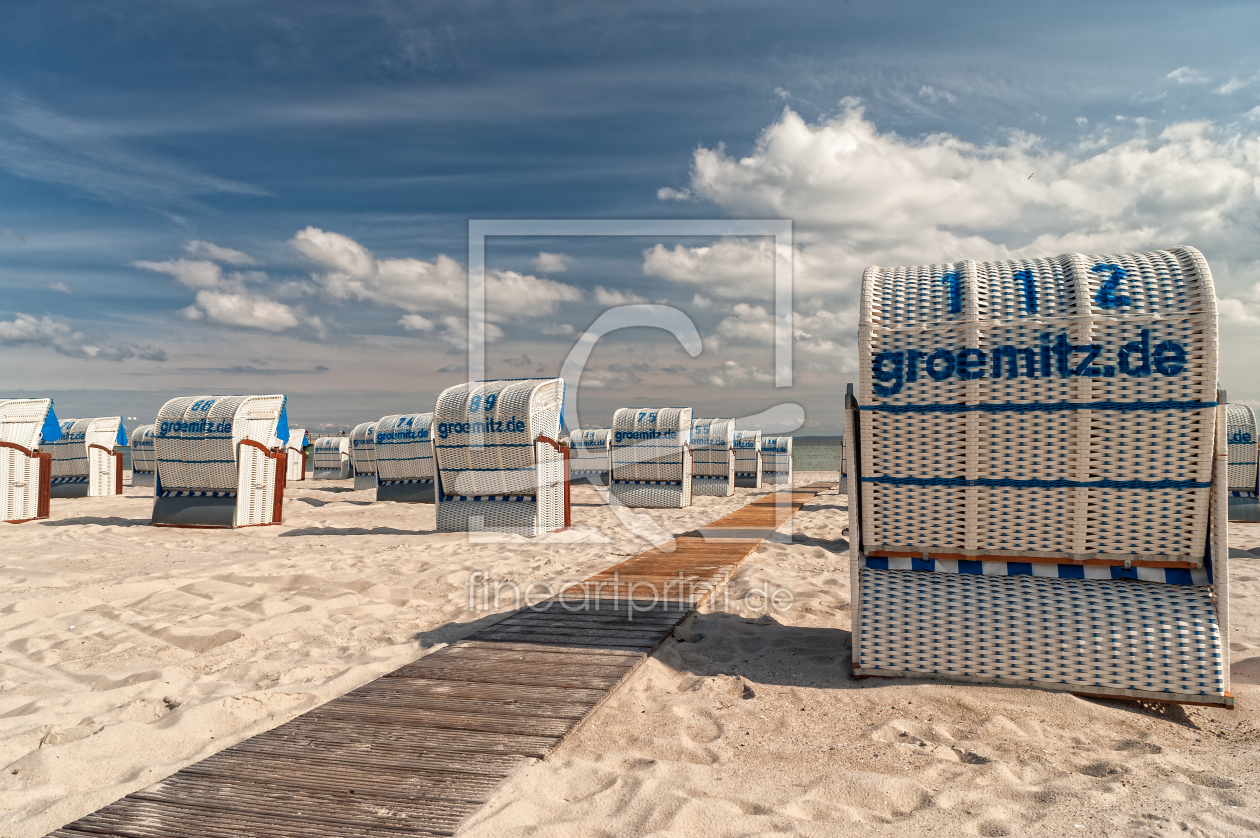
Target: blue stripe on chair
1170,576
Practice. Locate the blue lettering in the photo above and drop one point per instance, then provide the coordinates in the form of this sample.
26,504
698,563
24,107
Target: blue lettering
1140,348
1107,296
1170,358
884,373
945,356
971,363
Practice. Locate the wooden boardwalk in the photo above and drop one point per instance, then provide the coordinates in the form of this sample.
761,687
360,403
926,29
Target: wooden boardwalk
418,750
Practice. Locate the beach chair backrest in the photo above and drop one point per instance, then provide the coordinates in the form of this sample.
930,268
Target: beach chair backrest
363,448
776,454
711,444
649,442
484,435
28,422
1055,407
1240,430
142,459
404,447
196,438
84,456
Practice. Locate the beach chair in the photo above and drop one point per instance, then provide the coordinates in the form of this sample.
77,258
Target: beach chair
295,455
713,457
1043,476
220,461
26,469
748,464
85,463
500,466
590,456
404,458
1240,429
363,456
143,462
332,458
844,470
651,457
776,457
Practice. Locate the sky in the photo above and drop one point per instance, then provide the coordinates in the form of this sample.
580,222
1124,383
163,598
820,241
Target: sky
236,197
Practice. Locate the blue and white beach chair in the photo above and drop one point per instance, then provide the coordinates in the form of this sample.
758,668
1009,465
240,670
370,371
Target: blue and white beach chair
220,461
651,457
500,465
713,457
590,456
748,464
143,461
1043,476
332,458
26,469
1240,429
404,458
85,463
363,455
776,460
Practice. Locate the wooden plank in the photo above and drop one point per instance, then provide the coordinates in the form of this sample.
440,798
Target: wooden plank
416,751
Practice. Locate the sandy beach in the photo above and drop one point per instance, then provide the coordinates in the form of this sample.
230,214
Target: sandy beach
129,652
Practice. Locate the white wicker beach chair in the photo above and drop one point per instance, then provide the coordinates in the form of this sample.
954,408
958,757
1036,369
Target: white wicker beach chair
25,469
500,465
295,455
404,458
713,457
776,457
220,461
1042,461
1240,428
332,458
84,462
143,461
363,455
748,464
651,457
590,456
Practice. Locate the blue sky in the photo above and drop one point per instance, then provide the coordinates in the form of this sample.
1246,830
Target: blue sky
243,197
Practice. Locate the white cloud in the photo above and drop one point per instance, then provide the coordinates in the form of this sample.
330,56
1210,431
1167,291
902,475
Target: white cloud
551,263
24,329
734,268
665,193
243,311
1243,310
732,374
613,297
225,300
206,250
1188,75
194,273
558,329
701,301
54,285
351,272
416,323
815,330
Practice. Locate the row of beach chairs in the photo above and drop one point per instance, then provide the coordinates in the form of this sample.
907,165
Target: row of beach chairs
1039,463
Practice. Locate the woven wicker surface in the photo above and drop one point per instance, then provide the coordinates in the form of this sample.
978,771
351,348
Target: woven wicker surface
74,460
22,420
1000,400
776,460
1240,429
493,473
363,449
590,457
332,458
142,456
748,465
404,447
651,457
197,438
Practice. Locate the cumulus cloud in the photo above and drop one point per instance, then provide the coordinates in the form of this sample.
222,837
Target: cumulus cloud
416,323
346,270
613,297
815,330
24,329
733,374
733,268
206,250
227,300
551,263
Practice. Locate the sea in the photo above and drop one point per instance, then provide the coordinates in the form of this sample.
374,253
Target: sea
816,453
